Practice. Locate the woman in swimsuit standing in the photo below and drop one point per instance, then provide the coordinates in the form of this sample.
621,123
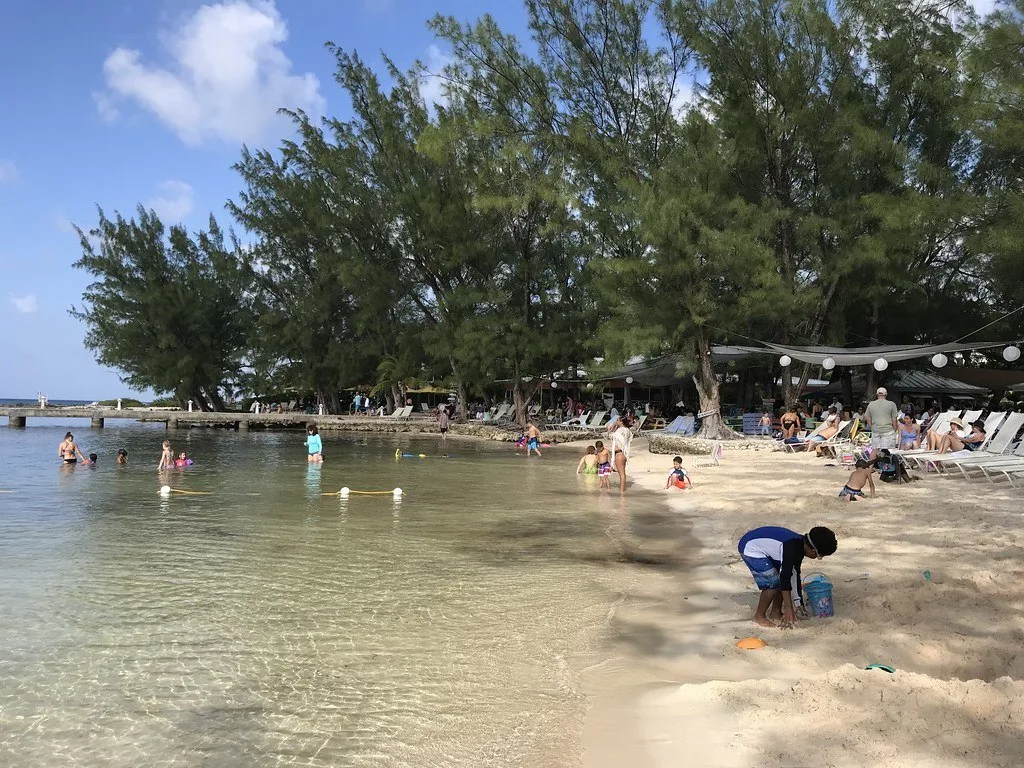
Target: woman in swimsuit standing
69,451
621,438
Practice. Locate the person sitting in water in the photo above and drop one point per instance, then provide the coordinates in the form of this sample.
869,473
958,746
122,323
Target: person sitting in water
69,451
774,555
182,460
970,441
588,464
910,433
91,461
861,476
122,455
678,477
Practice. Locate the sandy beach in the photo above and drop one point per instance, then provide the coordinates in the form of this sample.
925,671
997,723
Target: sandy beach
679,692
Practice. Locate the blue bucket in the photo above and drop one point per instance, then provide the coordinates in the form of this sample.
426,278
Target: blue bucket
818,594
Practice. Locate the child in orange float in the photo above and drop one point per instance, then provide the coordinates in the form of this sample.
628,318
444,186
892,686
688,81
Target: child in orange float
678,476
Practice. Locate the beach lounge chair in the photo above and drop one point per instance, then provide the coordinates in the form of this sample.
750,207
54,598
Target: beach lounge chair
941,424
999,450
579,422
398,412
406,413
841,439
671,428
688,427
1005,466
635,429
594,423
919,457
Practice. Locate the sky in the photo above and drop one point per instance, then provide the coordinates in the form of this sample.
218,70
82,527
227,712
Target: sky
111,104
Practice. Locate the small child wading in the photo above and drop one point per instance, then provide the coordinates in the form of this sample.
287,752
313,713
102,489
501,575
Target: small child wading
678,477
860,477
604,466
774,555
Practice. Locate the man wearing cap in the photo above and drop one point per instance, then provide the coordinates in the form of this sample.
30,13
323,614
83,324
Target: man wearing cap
881,417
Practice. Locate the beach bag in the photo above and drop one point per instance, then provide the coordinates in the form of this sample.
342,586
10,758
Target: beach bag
892,468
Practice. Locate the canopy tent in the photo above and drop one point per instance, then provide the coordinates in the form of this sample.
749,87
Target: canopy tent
853,356
912,383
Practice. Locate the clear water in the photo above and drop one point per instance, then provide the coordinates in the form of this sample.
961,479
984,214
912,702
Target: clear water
265,623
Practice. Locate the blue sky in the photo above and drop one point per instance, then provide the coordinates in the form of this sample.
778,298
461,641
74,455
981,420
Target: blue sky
116,103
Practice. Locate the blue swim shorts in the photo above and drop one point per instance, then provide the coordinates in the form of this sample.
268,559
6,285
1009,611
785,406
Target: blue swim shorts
532,445
764,571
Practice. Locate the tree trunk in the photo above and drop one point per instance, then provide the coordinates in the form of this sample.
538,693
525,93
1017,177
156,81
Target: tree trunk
463,405
712,427
847,376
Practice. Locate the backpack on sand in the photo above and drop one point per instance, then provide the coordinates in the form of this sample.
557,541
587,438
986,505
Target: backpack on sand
892,468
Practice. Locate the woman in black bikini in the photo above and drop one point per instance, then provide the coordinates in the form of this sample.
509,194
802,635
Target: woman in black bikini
68,450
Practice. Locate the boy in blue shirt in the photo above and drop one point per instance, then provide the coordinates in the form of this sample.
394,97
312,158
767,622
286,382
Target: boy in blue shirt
774,555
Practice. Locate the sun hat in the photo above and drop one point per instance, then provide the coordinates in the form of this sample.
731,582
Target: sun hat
956,423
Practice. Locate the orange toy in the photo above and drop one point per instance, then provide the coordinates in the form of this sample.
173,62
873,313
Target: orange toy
751,644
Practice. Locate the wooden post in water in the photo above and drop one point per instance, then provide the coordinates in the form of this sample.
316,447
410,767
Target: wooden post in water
172,423
97,422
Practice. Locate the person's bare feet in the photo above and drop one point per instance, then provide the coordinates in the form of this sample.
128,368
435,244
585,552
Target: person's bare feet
764,621
774,616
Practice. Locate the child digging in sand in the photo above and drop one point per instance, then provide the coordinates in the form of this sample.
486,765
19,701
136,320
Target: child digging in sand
861,475
774,555
588,464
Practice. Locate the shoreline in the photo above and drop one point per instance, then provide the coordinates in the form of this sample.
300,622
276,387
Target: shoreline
956,698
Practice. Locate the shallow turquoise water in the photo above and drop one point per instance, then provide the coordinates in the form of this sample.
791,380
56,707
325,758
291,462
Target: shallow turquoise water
268,624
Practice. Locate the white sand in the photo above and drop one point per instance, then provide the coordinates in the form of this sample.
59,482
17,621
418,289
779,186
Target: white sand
957,642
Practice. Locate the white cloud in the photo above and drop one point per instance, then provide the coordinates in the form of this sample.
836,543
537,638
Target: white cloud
226,76
106,107
8,172
174,202
432,86
26,304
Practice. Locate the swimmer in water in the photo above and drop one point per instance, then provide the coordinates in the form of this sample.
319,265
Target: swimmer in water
182,460
122,456
69,451
166,458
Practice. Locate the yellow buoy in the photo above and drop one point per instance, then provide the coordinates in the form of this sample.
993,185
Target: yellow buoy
751,644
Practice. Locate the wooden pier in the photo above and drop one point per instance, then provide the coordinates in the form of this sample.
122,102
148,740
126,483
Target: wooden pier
175,419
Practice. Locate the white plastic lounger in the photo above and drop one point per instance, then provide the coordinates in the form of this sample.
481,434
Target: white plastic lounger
993,450
594,423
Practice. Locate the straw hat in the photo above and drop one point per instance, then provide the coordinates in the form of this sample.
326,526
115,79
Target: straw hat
956,423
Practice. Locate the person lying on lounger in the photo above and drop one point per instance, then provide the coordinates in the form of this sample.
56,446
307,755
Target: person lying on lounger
952,441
